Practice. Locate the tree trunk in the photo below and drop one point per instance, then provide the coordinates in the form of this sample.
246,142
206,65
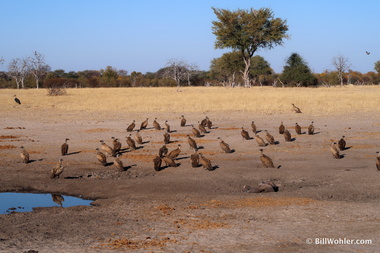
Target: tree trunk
247,62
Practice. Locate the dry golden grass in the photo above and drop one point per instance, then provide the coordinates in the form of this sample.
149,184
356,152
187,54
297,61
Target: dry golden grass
316,101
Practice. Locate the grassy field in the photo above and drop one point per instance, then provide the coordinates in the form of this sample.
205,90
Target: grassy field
316,101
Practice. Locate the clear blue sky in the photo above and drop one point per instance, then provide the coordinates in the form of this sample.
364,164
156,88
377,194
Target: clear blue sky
143,35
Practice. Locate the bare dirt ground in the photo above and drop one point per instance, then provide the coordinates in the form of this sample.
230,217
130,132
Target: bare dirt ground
187,209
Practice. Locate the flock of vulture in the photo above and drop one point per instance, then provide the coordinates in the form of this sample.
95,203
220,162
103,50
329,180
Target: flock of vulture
164,158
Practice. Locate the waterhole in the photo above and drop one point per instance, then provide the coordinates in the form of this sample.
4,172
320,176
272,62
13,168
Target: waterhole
25,202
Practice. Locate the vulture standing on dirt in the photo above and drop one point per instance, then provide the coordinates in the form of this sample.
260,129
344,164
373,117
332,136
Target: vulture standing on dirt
166,137
16,100
196,132
194,159
287,135
156,125
267,186
167,126
57,170
281,128
298,129
131,126
208,123
163,151
192,142
310,130
131,143
157,161
144,124
296,109
266,160
335,150
269,138
106,148
378,161
102,158
225,147
118,164
204,121
116,146
206,163
202,129
65,147
138,137
24,155
253,126
183,121
175,153
245,134
342,143
169,161
260,141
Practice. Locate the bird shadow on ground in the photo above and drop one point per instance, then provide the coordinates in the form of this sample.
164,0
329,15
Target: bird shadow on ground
347,148
214,167
258,131
184,157
341,156
74,153
145,142
293,139
173,131
200,147
125,168
108,164
32,161
315,133
276,142
232,151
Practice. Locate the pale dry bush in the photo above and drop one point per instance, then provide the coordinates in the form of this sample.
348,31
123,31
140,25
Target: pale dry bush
315,101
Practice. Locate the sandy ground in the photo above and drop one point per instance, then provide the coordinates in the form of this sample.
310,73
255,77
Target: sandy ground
187,209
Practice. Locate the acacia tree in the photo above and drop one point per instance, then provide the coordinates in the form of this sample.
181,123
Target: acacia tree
18,69
37,66
341,65
179,70
247,31
377,66
226,67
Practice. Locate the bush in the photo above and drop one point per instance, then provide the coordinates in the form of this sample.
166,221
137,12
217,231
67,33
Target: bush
56,86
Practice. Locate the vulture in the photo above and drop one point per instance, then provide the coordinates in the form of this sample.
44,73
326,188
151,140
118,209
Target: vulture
183,121
281,128
57,199
208,123
342,143
166,137
296,109
157,161
269,138
194,159
298,129
196,132
310,130
106,148
57,170
206,163
156,125
138,138
245,134
335,150
225,147
101,157
144,124
260,141
204,121
131,126
175,153
266,160
192,143
118,164
116,145
24,155
378,161
287,135
253,126
163,151
169,161
65,148
131,143
202,128
167,126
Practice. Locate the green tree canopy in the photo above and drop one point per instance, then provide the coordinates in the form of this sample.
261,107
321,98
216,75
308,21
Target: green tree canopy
377,66
246,31
296,72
